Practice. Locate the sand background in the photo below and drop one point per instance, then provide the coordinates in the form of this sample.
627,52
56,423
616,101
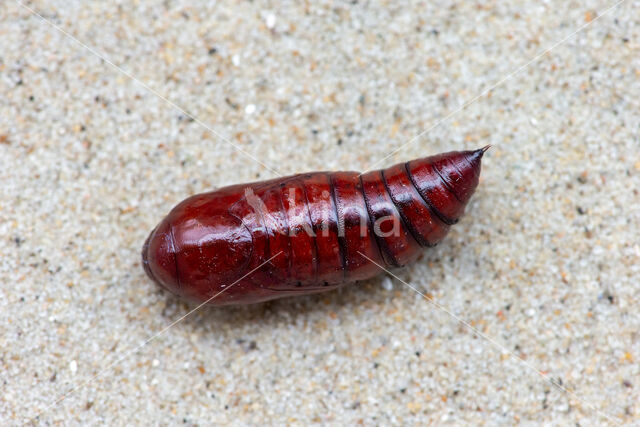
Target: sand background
546,263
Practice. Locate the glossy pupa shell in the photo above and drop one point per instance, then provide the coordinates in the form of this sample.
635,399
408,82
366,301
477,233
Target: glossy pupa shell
308,233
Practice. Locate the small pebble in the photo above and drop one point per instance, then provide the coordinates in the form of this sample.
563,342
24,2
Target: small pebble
270,20
387,283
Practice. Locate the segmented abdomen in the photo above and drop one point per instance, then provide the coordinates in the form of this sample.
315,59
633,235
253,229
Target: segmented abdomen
330,226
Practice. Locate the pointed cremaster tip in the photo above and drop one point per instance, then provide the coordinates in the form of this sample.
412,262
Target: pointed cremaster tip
476,155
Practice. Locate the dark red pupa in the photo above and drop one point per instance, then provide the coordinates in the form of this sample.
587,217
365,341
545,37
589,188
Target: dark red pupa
321,227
